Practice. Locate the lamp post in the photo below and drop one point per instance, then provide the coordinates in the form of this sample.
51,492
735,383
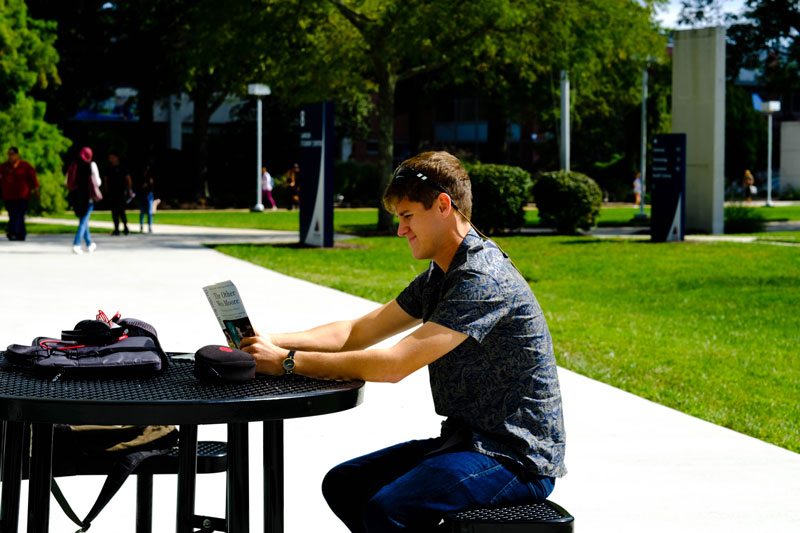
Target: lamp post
643,162
769,107
565,120
259,90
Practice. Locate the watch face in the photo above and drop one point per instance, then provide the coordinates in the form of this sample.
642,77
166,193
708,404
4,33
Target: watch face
288,365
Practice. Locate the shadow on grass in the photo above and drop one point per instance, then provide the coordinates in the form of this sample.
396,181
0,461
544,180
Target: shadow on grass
337,245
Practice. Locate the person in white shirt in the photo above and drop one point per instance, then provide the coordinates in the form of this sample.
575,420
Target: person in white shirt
267,184
83,183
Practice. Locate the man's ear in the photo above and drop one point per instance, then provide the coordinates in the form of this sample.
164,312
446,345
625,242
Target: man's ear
444,202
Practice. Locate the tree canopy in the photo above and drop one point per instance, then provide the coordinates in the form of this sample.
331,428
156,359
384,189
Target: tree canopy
356,52
510,50
28,61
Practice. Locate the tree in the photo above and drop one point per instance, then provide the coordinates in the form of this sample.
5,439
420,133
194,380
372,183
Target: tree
356,48
764,37
160,47
28,61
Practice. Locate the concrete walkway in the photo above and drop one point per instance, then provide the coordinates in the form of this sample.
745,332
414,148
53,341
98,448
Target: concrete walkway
633,465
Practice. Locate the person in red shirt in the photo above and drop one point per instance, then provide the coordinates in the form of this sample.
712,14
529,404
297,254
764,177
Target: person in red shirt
17,180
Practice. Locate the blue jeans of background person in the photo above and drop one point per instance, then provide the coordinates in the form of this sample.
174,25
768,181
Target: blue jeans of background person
146,208
407,488
16,219
83,228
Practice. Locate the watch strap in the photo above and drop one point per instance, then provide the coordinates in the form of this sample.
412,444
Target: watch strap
288,363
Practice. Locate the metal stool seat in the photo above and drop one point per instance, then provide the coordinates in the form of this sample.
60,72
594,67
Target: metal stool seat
540,517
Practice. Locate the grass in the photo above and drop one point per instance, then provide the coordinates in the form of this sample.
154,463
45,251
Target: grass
363,221
42,229
709,329
779,236
609,217
227,218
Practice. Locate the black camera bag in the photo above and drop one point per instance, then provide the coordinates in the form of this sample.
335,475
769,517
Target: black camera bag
94,349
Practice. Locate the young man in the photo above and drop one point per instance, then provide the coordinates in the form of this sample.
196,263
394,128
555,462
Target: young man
18,180
490,358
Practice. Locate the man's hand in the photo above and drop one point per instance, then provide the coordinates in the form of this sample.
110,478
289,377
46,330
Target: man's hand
269,357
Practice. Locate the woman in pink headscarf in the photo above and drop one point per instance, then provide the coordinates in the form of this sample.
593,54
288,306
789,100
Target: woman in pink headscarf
83,183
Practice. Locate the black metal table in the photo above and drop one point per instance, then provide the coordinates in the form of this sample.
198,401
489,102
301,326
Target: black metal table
174,397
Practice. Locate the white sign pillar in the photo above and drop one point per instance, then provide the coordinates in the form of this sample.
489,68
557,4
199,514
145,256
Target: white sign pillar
698,110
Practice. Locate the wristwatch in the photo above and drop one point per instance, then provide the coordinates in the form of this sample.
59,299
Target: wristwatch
288,363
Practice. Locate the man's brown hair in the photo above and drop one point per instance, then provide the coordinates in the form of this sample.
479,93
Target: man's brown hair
441,172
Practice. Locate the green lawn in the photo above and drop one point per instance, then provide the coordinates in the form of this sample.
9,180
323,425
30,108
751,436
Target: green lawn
228,218
709,329
363,221
609,216
42,229
779,236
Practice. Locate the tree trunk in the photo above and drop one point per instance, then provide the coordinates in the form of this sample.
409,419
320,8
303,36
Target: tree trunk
144,145
386,87
201,118
496,145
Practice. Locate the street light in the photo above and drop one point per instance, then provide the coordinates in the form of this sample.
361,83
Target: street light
258,90
565,120
641,215
769,107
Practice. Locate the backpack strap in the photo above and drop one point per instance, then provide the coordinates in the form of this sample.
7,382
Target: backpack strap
119,473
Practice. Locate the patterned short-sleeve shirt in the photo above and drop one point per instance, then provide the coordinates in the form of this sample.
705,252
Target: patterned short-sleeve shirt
500,384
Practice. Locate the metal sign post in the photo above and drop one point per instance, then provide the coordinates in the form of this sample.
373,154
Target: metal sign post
316,174
668,189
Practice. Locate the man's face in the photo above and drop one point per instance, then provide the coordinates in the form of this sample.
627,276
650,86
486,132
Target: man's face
13,157
419,226
113,159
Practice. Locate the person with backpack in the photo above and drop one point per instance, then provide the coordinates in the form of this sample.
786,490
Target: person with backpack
83,183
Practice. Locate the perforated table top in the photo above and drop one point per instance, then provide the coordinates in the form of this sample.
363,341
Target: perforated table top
175,396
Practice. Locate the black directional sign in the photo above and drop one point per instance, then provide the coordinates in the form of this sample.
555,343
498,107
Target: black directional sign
668,187
316,174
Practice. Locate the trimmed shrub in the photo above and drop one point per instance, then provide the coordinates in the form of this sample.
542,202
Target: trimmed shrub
567,201
499,195
741,219
790,193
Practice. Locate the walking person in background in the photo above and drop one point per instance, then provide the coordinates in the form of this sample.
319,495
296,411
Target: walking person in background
118,191
748,186
18,180
83,184
267,184
144,192
637,189
294,186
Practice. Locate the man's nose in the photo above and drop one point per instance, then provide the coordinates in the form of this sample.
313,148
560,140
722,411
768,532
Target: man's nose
401,228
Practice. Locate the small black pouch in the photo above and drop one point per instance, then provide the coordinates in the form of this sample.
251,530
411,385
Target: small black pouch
217,363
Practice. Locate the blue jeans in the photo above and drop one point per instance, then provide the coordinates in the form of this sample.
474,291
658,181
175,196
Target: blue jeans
146,208
83,228
16,219
408,488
